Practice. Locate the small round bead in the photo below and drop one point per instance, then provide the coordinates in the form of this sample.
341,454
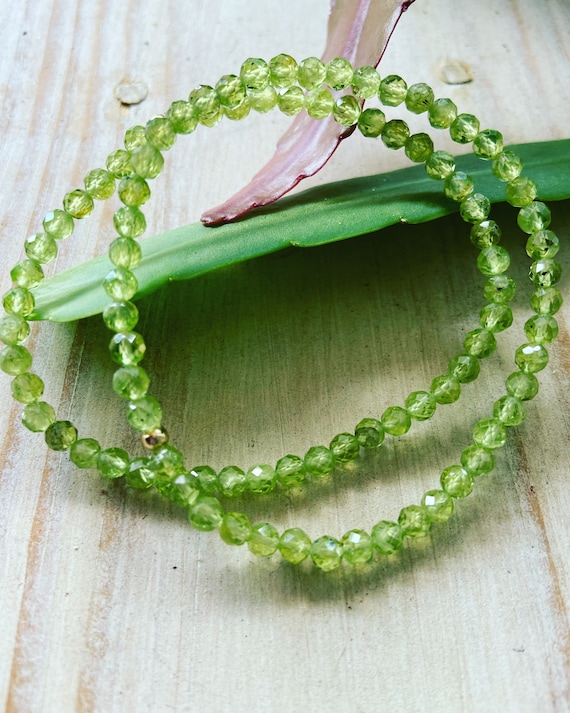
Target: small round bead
339,73
264,540
475,208
369,433
319,461
507,165
326,553
235,528
134,191
464,128
488,144
440,165
294,545
113,463
290,471
261,479
232,481
78,203
207,105
480,343
185,490
345,447
13,329
125,252
458,186
255,73
282,71
147,162
27,388
100,184
509,410
41,247
438,505
231,91
446,389
477,460
239,112
311,73
442,113
127,348
183,117
206,478
84,453
484,234
371,122
58,224
496,317
387,537
131,382
121,316
38,416
392,91
465,368
129,222
319,103
520,191
262,100
542,244
499,288
346,110
139,476
120,284
15,359
456,481
493,260
60,435
545,272
27,273
18,301
166,462
206,513
135,137
365,82
490,433
531,358
418,147
396,420
144,414
419,98
395,134
357,547
541,329
421,405
534,217
414,521
546,300
292,101
522,385
119,164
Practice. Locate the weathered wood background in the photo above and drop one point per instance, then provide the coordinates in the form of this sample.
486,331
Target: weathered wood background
109,601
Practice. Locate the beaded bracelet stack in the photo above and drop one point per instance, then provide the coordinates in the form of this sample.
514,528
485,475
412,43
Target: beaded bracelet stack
313,86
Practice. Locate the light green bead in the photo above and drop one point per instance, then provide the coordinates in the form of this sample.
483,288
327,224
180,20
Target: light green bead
78,203
100,184
542,244
264,540
418,147
387,537
480,343
311,73
255,73
522,386
371,122
134,137
438,505
207,478
166,462
421,405
446,389
499,288
125,252
290,471
261,479
27,387
84,453
475,208
41,247
546,300
121,316
458,186
345,447
545,272
294,545
319,461
484,234
27,273
207,105
239,112
419,98
520,191
534,217
365,82
144,414
112,463
440,165
369,433
231,91
38,416
465,368
442,113
464,128
131,382
129,222
183,117
414,521
147,162
392,91
127,348
357,547
488,144
206,513
531,358
339,73
496,317
262,100
18,301
13,329
139,476
477,460
326,553
120,284
235,528
283,71
507,165
541,329
292,101
493,260
319,103
134,191
232,481
509,410
395,134
490,433
58,223
346,110
119,163
15,359
60,435
185,489
456,481
396,420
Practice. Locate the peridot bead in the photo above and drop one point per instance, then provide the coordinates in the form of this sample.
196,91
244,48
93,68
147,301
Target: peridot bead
78,203
419,98
100,184
145,413
125,252
119,164
456,481
294,545
396,420
493,260
387,537
346,110
545,300
235,528
534,217
13,329
207,105
442,113
545,272
520,191
292,101
371,122
490,433
319,103
531,358
499,288
339,73
418,147
131,382
239,112
475,208
521,385
120,284
345,447
27,388
438,505
262,100
60,435
147,162
541,329
496,317
365,82
261,479
282,71
446,389
129,222
183,117
84,452
166,462
542,244
58,224
319,461
326,553
15,359
112,463
464,128
206,513
421,405
255,73
458,186
185,489
395,134
264,540
465,368
27,273
488,144
414,521
392,91
369,433
311,73
477,460
357,547
232,481
139,476
135,136
440,165
480,343
231,91
507,165
121,316
509,410
160,133
38,416
127,348
134,191
485,233
290,471
18,301
41,247
207,478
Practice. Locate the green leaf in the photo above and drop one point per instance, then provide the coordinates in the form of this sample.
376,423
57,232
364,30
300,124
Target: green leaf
335,211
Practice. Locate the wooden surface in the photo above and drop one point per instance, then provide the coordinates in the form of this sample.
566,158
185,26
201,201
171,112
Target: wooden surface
109,600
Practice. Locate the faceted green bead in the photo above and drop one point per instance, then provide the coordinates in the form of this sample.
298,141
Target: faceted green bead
521,385
239,112
311,73
545,272
78,203
13,329
290,471
206,513
346,110
262,100
493,260
147,162
134,137
120,284
112,463
496,317
119,163
235,528
282,71
125,252
160,133
139,476
485,234
440,165
261,479
456,481
490,433
520,191
446,389
15,360
480,343
38,416
41,247
419,98
418,147
396,420
421,405
488,144
185,489
369,433
464,128
207,478
127,348
365,82
395,134
27,387
121,316
326,553
319,461
232,481
129,222
541,329
294,545
393,90
534,217
477,460
264,540
134,191
131,382
255,73
18,301
84,452
531,358
458,186
509,410
357,547
207,105
499,288
58,224
442,113
387,537
230,90
465,368
339,73
371,122
546,300
542,244
414,521
345,447
183,117
166,462
438,505
475,208
144,414
27,273
60,435
292,101
319,103
100,184
507,165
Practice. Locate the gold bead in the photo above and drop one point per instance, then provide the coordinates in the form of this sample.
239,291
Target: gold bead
154,438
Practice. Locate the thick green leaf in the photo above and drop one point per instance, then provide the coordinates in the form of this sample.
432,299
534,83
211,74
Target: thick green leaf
317,216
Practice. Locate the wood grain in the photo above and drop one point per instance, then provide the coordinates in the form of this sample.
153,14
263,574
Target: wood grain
108,600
